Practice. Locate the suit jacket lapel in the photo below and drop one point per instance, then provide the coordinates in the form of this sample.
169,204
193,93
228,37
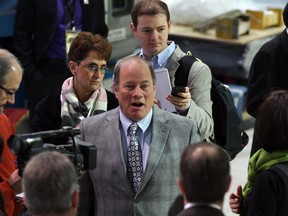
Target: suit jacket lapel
112,130
160,132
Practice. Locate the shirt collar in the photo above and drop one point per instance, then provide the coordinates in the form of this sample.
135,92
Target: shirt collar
143,123
160,60
213,205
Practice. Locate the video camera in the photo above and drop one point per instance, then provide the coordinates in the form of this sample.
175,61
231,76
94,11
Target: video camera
82,154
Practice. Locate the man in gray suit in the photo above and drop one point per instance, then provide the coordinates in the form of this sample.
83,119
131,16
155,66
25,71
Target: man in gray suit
161,137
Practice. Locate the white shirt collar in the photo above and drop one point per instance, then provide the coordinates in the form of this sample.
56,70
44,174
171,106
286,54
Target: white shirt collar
143,123
189,205
160,60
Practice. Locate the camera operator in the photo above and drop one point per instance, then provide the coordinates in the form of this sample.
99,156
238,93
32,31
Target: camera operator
2,207
50,185
10,183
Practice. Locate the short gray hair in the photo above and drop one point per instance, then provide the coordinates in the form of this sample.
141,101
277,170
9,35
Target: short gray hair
49,181
7,62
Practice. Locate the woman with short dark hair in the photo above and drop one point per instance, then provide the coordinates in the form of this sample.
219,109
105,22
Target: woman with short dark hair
83,94
266,190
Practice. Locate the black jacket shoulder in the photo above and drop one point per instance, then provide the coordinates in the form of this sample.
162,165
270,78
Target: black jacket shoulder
48,111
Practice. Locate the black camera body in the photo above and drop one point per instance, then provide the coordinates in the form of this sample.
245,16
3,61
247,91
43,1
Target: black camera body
82,154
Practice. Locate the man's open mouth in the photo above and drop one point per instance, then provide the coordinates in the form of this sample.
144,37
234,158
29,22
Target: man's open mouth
137,104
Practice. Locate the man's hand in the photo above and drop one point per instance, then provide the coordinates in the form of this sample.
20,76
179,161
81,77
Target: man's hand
182,101
235,200
15,182
157,102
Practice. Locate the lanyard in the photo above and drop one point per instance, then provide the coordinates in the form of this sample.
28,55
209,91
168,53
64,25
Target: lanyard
70,10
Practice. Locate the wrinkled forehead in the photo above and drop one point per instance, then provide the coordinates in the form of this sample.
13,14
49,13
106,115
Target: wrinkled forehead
134,67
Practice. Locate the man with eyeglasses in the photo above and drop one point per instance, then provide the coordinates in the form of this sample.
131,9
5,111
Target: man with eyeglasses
83,94
10,183
8,92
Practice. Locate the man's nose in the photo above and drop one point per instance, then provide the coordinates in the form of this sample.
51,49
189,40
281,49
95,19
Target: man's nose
154,34
137,92
11,99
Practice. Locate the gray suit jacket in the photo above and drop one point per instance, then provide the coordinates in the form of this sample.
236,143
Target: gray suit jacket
199,83
113,193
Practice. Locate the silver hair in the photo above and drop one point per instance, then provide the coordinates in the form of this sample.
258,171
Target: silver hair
131,58
49,182
8,63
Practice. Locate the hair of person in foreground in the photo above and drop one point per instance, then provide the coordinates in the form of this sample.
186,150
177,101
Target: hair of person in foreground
50,185
204,173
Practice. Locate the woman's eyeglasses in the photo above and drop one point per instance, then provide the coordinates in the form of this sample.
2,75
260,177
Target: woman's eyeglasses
95,68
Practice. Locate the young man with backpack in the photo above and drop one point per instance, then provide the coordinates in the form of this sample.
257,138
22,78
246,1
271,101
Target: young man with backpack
219,122
151,24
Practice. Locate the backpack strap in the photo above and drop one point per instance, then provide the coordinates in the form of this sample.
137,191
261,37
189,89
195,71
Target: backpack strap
182,73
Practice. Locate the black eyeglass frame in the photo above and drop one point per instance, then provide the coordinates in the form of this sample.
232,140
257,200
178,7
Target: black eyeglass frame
8,92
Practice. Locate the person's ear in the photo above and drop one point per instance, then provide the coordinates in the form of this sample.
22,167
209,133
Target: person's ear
73,67
115,90
75,199
134,29
169,25
229,183
181,188
180,185
25,202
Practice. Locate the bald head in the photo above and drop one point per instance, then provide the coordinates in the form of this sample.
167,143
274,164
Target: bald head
205,172
130,60
8,64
